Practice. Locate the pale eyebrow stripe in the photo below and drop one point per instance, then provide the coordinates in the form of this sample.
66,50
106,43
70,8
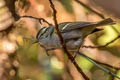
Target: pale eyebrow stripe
65,26
41,31
44,29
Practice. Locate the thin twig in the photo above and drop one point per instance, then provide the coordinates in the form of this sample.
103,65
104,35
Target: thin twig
62,41
39,19
102,45
105,64
96,63
112,77
84,5
113,67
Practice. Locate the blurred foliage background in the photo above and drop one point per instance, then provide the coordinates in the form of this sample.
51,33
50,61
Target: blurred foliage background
22,60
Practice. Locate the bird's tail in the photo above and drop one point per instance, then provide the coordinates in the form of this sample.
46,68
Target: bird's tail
107,21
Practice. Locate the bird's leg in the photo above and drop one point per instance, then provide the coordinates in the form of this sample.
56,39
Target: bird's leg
47,49
75,52
74,56
78,44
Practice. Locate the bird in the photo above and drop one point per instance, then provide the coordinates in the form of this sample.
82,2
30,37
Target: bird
73,34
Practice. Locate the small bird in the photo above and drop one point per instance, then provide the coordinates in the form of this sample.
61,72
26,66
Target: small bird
73,34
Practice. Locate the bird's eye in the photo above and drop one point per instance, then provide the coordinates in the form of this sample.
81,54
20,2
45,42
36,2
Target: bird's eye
41,32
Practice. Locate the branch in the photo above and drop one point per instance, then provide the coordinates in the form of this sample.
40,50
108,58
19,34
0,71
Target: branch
96,63
114,67
11,5
84,5
102,45
39,19
62,41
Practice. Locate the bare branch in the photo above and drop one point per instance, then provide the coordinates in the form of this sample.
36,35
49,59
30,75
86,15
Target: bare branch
62,41
39,19
114,67
102,45
84,5
96,63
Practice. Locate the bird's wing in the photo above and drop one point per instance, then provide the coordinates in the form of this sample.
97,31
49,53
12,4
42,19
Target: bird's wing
68,26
